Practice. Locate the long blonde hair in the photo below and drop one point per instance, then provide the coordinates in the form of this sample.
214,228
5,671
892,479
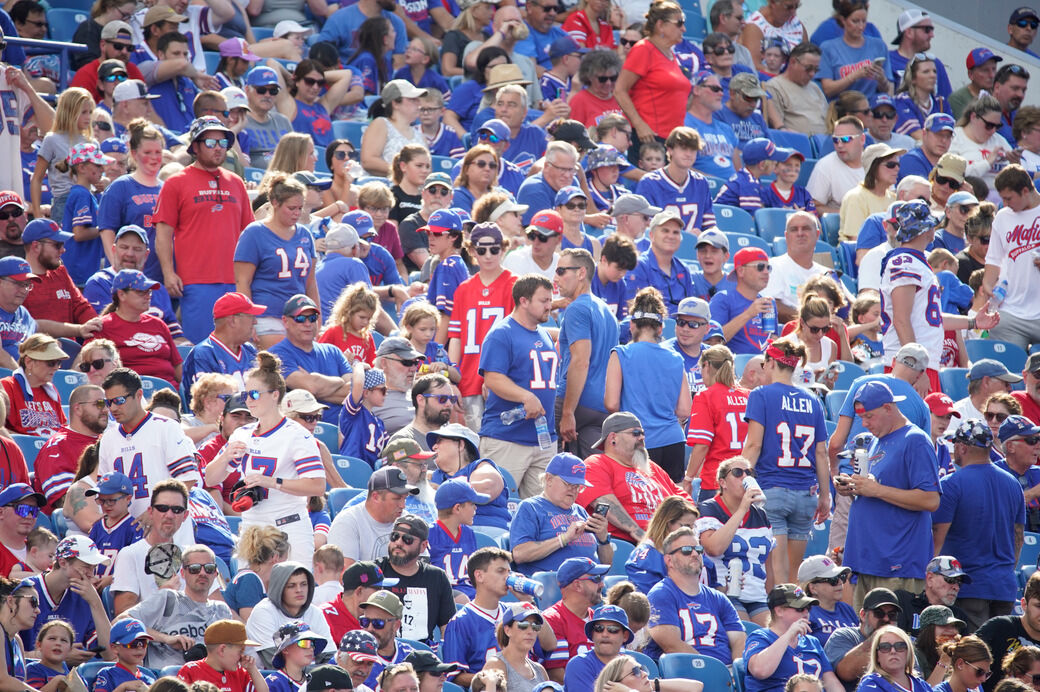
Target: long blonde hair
70,103
720,358
290,152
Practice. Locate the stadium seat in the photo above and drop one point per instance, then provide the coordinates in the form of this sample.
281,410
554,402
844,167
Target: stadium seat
740,361
60,523
30,446
170,671
954,382
109,601
329,434
739,674
798,141
848,375
255,175
817,544
88,671
822,145
511,485
696,27
750,627
1030,550
150,385
43,522
442,164
739,241
668,329
770,223
807,168
733,219
714,184
850,283
847,258
1011,355
223,570
622,549
320,166
711,671
338,499
649,663
687,248
81,5
550,589
416,645
354,472
7,372
63,24
835,399
262,32
212,60
350,130
484,540
67,380
611,580
831,223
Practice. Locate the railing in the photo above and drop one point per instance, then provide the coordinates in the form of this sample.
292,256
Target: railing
62,48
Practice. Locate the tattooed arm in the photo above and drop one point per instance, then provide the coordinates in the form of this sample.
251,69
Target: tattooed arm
621,519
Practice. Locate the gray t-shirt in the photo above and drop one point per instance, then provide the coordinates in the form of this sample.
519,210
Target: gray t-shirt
358,535
264,137
396,412
842,641
55,148
409,432
171,612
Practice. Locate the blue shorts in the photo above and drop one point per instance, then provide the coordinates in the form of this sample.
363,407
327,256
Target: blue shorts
790,512
197,308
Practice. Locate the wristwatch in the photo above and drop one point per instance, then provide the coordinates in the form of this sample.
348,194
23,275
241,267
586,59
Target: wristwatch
278,481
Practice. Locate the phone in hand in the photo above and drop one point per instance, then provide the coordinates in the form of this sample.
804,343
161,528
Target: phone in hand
602,508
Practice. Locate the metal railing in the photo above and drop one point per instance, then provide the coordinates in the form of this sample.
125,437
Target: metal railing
62,48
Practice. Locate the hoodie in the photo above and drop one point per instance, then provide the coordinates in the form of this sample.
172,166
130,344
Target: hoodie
270,614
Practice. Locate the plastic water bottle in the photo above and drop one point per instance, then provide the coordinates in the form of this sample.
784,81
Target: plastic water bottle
769,319
999,294
521,584
512,415
751,484
733,574
541,426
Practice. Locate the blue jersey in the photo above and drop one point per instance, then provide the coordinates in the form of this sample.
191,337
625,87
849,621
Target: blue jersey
692,364
824,622
382,269
174,105
81,258
334,273
797,198
281,266
527,146
111,540
914,162
742,190
582,671
209,525
875,682
910,117
527,357
341,29
37,675
554,87
897,65
465,102
126,201
14,328
469,637
536,45
537,519
674,286
691,198
705,290
718,142
872,232
805,657
315,121
751,338
537,195
278,681
325,359
446,142
654,376
982,505
212,355
913,407
321,521
449,273
613,294
745,129
588,318
704,620
451,554
751,544
245,590
28,166
496,511
794,424
839,59
364,434
645,567
110,678
904,459
72,608
1027,480
948,241
401,651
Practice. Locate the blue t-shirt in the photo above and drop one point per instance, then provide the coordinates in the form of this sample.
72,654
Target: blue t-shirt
874,682
244,591
174,105
527,146
674,286
126,201
537,195
529,359
465,102
839,59
692,199
805,657
645,567
1027,480
281,266
754,125
449,273
15,327
982,503
110,678
28,166
325,359
948,241
81,258
451,553
365,64
751,338
872,232
692,364
496,511
536,45
905,459
794,423
914,162
341,29
364,434
334,273
913,407
582,671
212,355
704,620
537,519
429,80
382,269
653,378
718,141
591,319
824,621
705,290
613,294
315,121
111,540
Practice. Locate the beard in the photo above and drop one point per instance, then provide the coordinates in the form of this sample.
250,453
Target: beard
398,559
641,459
439,418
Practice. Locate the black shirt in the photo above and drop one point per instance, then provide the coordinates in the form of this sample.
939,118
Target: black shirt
411,239
913,604
427,596
406,204
1003,633
966,264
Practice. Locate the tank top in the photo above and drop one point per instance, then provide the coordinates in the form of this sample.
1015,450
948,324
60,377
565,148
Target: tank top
515,682
791,32
395,141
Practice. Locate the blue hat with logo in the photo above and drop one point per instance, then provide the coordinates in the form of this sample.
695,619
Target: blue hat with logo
113,145
609,613
16,492
569,468
761,149
714,329
261,76
455,491
575,568
114,483
127,631
973,432
17,268
44,229
496,127
565,45
518,612
443,221
881,99
131,279
693,307
875,394
361,221
979,56
1017,426
938,122
715,238
988,367
566,194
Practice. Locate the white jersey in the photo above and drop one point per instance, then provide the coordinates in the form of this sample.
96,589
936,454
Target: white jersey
906,267
285,451
155,450
1012,244
15,104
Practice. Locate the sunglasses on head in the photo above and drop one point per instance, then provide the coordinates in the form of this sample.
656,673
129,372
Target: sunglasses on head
442,399
13,214
833,581
722,50
885,614
489,137
300,319
843,139
176,509
405,538
26,510
899,647
524,625
739,472
692,324
688,550
885,114
600,629
309,417
265,90
484,249
948,182
210,567
116,401
1023,23
375,623
604,78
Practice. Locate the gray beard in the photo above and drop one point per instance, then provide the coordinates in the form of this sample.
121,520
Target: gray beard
641,459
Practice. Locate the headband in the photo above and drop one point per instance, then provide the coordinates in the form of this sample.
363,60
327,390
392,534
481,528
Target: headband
781,357
646,316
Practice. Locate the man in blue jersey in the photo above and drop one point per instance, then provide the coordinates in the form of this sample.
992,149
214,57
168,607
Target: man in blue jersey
742,310
541,22
519,363
914,35
608,631
677,186
936,137
712,255
1021,439
899,492
527,140
691,324
588,333
228,348
340,267
718,153
16,324
686,616
539,191
658,266
744,189
739,112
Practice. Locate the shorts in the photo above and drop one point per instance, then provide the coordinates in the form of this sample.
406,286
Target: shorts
790,512
752,609
266,326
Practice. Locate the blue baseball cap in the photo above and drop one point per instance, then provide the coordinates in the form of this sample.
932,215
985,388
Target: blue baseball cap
113,145
16,492
962,197
261,76
44,229
114,483
938,122
575,568
701,77
443,221
761,149
566,194
988,367
455,491
496,127
131,279
973,432
1017,426
565,45
135,229
881,99
127,631
609,613
714,329
569,468
979,56
361,221
874,395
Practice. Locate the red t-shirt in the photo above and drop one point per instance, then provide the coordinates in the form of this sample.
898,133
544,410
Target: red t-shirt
207,452
1030,409
353,347
477,309
8,562
580,29
57,463
41,416
145,346
339,618
13,468
57,298
587,108
236,680
570,634
717,413
390,239
87,77
207,211
662,90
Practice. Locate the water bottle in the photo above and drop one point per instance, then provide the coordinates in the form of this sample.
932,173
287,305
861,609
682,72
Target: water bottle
512,415
751,484
769,319
733,574
521,584
541,426
999,294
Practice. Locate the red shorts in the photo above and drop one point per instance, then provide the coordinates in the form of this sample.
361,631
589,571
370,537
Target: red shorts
933,379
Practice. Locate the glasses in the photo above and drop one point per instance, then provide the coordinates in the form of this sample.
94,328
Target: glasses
965,209
953,580
13,214
899,647
636,433
95,364
883,614
1023,23
265,90
305,644
998,417
121,47
540,238
628,43
989,125
254,394
680,322
24,285
722,50
215,142
948,182
761,266
484,249
560,271
430,110
1031,440
441,399
489,137
714,88
26,511
117,77
843,139
42,25
680,21
405,538
885,114
833,581
110,501
818,330
214,111
891,165
979,672
600,629
116,401
809,69
576,205
407,362
984,240
523,626
548,8
163,509
375,623
639,671
33,601
309,417
49,363
484,163
740,472
688,550
439,190
310,81
210,567
300,319
604,78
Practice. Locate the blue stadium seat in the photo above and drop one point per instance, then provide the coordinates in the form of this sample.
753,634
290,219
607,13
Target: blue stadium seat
170,671
350,130
817,544
711,671
847,258
739,674
750,627
212,60
60,523
831,223
622,549
771,222
442,164
67,380
329,434
223,570
739,241
354,472
7,372
262,32
30,446
822,145
255,175
835,399
484,540
320,166
550,589
954,382
81,5
733,219
740,361
696,27
43,522
109,601
610,580
1030,550
849,374
63,24
416,645
338,499
511,485
831,427
792,140
807,168
1011,355
646,661
150,385
687,248
89,671
714,184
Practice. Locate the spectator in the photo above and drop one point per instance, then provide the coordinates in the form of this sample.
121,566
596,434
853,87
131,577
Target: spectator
296,646
13,208
33,403
513,657
470,25
998,408
130,640
985,377
881,119
226,658
849,649
745,188
501,49
739,111
527,140
775,19
565,55
360,580
913,36
363,531
307,107
977,229
477,176
1020,663
264,124
452,541
728,19
98,358
852,60
539,191
598,73
842,169
90,32
1009,88
825,581
434,194
57,305
410,171
790,271
716,151
457,457
19,507
915,96
429,669
388,134
608,631
710,438
573,213
1022,27
1020,455
381,616
978,140
799,100
433,401
540,255
998,633
236,58
71,126
340,268
288,599
618,258
658,266
892,663
227,349
712,256
604,165
943,580
936,137
357,654
874,194
982,68
57,462
441,139
542,32
740,310
116,42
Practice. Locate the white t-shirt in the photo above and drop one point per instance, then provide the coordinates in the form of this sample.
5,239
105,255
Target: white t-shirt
909,268
869,275
323,593
519,262
975,155
1011,245
832,178
967,410
16,103
128,571
787,277
359,536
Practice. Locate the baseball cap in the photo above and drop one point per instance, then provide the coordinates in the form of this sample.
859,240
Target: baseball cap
569,468
938,122
962,197
951,165
289,26
81,548
715,238
393,479
132,279
228,632
1017,426
881,99
876,394
236,403
566,194
748,255
235,97
972,432
664,217
496,127
714,330
609,613
234,304
413,526
127,631
631,203
486,230
297,305
427,662
114,483
790,595
301,401
44,229
404,448
341,237
574,132
547,223
360,646
261,76
236,48
162,13
913,355
941,405
878,597
115,29
938,615
907,19
365,573
442,221
361,221
437,178
988,367
565,45
947,566
604,155
387,601
747,83
506,207
111,67
616,422
9,197
400,347
575,568
309,179
454,431
876,152
87,152
761,149
820,567
113,145
397,89
16,492
693,307
1023,13
1033,363
978,56
328,677
516,612
455,491
17,268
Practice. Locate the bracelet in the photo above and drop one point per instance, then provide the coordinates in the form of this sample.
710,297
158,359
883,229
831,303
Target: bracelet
606,542
559,538
657,684
971,323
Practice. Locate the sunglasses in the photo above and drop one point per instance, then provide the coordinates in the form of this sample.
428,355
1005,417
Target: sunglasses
600,629
680,322
25,511
300,319
210,567
50,363
484,249
900,647
215,142
984,240
722,50
979,672
309,417
999,417
265,90
483,163
948,182
954,580
594,578
989,125
883,614
376,623
884,114
843,139
540,238
111,501
549,8
1031,440
524,625
688,550
760,266
817,330
117,77
13,214
310,81
407,362
576,205
439,190
833,581
680,21
176,509
405,538
489,137
628,43
136,644
121,46
965,209
714,88
442,399
639,671
1023,23
604,78
116,401
739,472
254,394
95,364
213,111
305,644
891,165
33,601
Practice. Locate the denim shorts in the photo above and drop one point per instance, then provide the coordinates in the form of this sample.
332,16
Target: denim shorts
752,608
790,512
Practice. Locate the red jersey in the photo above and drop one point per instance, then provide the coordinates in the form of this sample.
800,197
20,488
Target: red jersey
580,29
87,77
57,298
13,468
145,346
206,454
570,634
476,310
353,347
236,680
339,618
717,420
639,492
8,561
40,414
207,211
57,462
1030,409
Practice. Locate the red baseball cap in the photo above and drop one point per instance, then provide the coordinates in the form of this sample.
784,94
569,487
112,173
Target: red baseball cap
749,255
9,197
234,303
547,223
940,404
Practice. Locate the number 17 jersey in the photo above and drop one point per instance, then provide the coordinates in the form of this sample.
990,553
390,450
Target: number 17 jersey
478,308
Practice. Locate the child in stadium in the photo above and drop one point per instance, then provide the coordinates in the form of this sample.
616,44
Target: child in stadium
419,326
320,519
83,252
297,646
565,58
604,166
329,566
130,643
451,539
115,529
39,549
349,327
651,156
226,664
364,434
53,643
783,192
866,347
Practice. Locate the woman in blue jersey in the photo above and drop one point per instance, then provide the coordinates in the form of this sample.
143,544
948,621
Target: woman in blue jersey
916,98
274,258
477,177
825,581
649,380
733,530
312,96
626,673
458,456
572,204
787,446
970,665
891,667
853,60
259,549
19,606
645,565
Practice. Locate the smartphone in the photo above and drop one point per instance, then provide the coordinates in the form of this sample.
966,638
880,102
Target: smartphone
602,508
880,61
96,650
